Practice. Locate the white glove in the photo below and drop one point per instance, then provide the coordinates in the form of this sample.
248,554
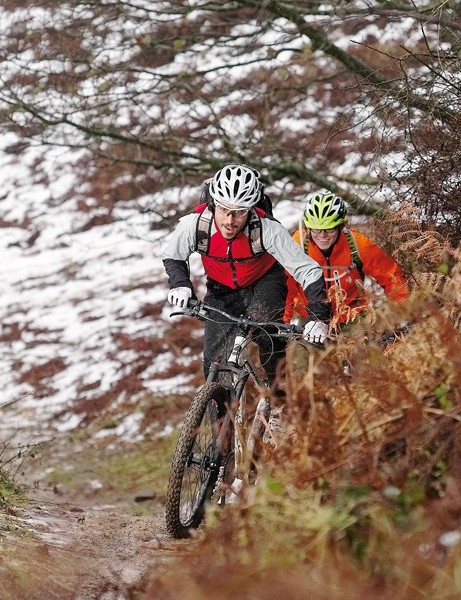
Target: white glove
315,332
179,296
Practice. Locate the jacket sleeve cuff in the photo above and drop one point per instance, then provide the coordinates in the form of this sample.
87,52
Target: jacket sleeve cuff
318,306
178,273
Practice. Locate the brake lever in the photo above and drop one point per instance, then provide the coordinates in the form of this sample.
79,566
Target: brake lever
180,312
194,308
188,310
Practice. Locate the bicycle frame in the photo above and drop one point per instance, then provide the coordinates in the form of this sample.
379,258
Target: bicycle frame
217,440
242,367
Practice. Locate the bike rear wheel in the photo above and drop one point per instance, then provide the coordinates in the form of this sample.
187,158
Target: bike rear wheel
196,461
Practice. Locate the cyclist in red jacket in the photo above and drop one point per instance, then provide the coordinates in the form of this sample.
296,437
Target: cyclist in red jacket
245,253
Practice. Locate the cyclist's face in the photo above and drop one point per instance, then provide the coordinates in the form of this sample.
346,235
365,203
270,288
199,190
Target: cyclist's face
324,238
230,220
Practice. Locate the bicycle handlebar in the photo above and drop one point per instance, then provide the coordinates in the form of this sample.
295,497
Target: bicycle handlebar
201,311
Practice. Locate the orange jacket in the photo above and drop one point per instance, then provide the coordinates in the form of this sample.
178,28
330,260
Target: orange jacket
349,297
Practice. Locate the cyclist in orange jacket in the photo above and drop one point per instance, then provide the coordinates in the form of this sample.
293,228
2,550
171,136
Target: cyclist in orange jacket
346,257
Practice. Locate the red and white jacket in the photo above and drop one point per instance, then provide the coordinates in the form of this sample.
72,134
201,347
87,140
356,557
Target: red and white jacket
235,264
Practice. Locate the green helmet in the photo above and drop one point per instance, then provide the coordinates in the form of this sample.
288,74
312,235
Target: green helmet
324,210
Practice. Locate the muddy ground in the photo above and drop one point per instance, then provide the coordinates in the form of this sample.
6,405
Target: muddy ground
94,552
62,543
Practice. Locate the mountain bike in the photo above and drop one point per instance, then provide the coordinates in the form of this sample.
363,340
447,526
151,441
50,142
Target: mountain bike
218,441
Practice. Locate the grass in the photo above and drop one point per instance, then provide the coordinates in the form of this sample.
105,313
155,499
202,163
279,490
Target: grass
31,572
10,493
121,475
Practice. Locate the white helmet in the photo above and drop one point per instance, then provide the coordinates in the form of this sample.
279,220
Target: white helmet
237,185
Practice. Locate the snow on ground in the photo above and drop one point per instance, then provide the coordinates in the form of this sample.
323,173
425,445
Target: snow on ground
68,292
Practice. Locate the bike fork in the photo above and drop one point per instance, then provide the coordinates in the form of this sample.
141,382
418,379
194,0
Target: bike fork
213,372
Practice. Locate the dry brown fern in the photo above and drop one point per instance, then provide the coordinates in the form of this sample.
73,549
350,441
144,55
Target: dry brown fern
414,247
344,313
377,426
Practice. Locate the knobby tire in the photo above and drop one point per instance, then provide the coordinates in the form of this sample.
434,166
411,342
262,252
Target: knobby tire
196,461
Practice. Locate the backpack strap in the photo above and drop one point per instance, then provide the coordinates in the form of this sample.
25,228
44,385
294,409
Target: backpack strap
203,232
355,254
305,239
255,233
353,248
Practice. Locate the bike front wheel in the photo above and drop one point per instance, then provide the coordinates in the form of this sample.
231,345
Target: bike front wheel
196,461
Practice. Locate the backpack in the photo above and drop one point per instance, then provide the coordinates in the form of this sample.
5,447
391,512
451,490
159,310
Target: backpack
355,254
265,204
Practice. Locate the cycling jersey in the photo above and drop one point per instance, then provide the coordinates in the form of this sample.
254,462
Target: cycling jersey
238,262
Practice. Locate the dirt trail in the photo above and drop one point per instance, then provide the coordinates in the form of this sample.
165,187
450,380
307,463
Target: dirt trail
74,547
100,552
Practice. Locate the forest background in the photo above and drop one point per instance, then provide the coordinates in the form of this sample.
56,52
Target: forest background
112,114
